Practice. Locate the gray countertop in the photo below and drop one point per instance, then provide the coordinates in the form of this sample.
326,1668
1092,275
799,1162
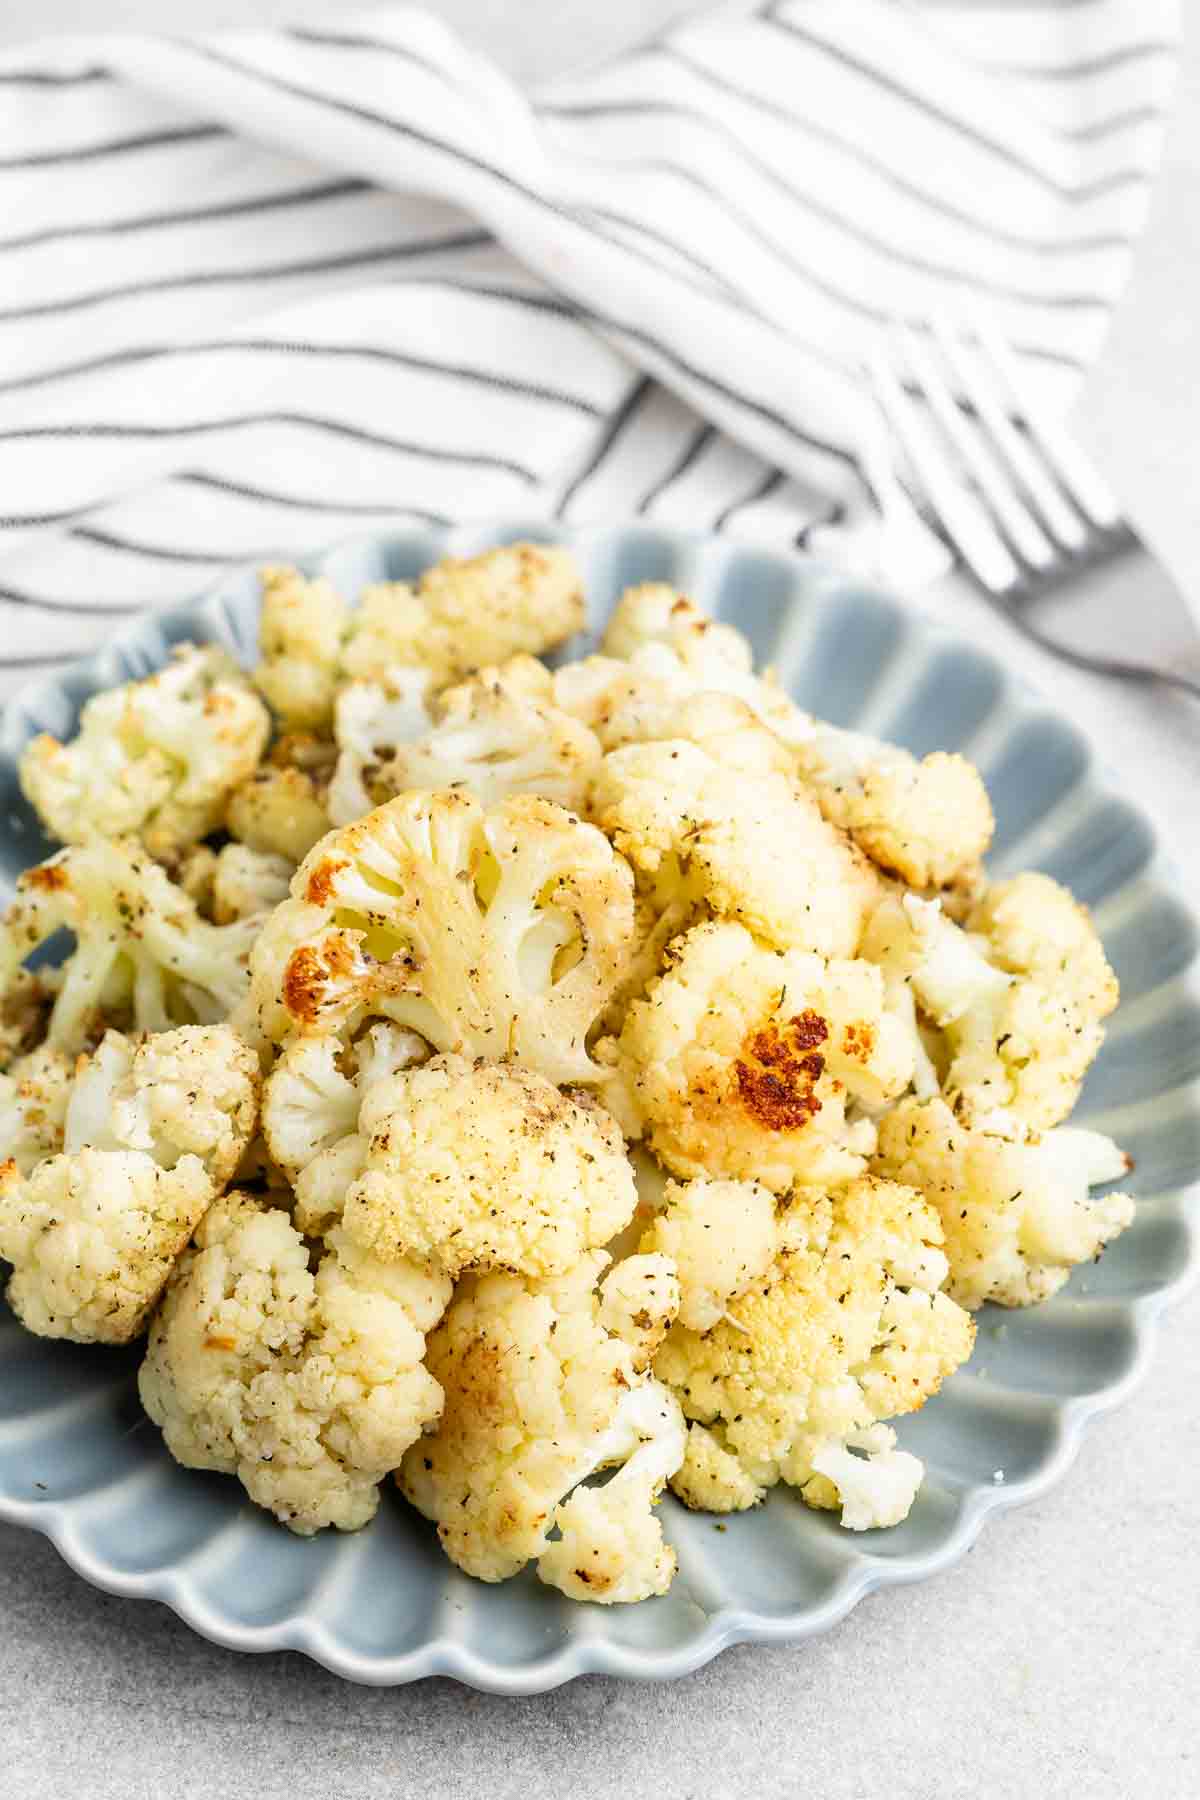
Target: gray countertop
1058,1659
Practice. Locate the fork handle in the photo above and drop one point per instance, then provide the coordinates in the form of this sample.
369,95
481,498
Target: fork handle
1082,659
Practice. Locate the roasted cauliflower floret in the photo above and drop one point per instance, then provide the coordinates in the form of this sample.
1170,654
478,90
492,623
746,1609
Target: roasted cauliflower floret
873,1490
656,613
308,1387
674,646
142,950
33,1106
930,822
248,883
311,1104
188,1092
643,700
154,759
466,613
1037,930
639,1301
740,1061
300,634
147,1134
371,720
492,934
1016,1211
92,1238
486,1166
720,1236
279,812
753,849
653,932
1009,1040
846,1329
711,1479
496,740
510,1446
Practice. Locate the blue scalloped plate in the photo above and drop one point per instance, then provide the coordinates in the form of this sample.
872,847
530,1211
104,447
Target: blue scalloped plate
79,1462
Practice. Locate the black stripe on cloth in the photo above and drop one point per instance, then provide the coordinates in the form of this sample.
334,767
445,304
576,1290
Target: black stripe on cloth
110,540
608,437
634,334
963,128
1089,66
830,215
356,433
512,384
101,609
52,77
764,485
305,503
189,215
317,265
627,223
116,359
1102,128
146,140
835,515
347,40
691,453
1015,240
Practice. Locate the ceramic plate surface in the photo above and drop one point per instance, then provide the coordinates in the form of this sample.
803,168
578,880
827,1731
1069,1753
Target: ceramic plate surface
79,1462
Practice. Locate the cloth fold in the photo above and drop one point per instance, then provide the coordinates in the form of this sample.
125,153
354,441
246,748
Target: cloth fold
267,288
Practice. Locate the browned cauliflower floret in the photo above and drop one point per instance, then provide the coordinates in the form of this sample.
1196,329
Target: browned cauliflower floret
674,648
33,1106
720,1236
929,822
495,740
248,883
1010,1038
639,1300
148,1134
466,613
311,1105
711,1479
846,1330
540,1395
753,848
142,950
486,1166
188,1092
155,759
1016,1211
300,634
1036,929
283,808
741,1061
371,720
491,934
92,1238
308,1387
278,812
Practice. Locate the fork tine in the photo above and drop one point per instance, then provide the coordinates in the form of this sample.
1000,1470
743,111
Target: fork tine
953,505
1081,479
1016,521
978,384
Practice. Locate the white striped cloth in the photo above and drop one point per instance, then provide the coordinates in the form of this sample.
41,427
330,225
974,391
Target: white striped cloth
263,289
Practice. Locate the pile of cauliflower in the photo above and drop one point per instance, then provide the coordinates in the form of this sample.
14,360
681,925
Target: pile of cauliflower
497,1075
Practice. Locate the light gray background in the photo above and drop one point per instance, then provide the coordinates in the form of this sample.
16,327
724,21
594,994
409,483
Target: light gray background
1059,1659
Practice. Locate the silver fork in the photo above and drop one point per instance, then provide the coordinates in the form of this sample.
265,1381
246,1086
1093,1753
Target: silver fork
1010,491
